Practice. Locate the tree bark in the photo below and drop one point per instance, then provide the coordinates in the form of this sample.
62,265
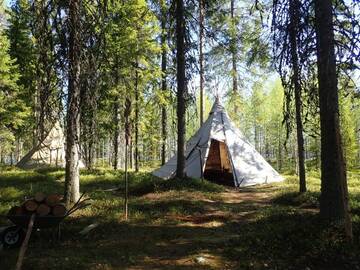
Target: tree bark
334,193
127,112
116,134
279,150
201,59
136,151
233,50
181,87
90,158
131,152
294,28
163,80
72,185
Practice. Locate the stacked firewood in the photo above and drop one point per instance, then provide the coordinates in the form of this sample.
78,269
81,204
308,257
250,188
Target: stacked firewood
42,205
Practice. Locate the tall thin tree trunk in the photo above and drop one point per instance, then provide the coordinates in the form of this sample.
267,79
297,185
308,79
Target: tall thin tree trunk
109,152
126,183
92,140
334,192
294,155
233,48
294,28
256,137
131,152
201,59
127,112
181,87
2,161
116,134
163,80
279,150
72,185
136,151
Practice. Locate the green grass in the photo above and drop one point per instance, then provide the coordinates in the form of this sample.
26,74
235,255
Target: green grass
174,222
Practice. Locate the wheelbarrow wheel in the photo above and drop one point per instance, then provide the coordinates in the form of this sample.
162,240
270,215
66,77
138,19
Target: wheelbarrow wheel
13,237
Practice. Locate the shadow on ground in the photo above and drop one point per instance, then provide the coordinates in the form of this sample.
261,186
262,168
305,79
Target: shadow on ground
186,228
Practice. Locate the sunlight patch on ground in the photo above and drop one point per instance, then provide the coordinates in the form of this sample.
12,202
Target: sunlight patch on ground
197,261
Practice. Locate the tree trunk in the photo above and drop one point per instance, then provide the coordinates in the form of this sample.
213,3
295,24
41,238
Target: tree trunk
44,109
201,59
163,80
127,141
256,137
181,87
1,156
116,134
18,149
279,150
90,158
109,152
131,153
334,193
295,154
294,28
233,49
72,185
92,140
136,151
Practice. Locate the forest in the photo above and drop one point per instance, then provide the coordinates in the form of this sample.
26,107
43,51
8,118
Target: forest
179,134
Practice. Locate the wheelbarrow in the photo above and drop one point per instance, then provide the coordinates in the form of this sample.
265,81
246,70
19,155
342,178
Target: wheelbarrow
13,236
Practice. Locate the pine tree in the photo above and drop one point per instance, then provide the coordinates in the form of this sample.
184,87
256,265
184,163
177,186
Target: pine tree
22,47
334,193
13,108
72,173
181,87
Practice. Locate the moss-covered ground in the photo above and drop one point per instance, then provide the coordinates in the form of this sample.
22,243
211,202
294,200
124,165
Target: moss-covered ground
183,224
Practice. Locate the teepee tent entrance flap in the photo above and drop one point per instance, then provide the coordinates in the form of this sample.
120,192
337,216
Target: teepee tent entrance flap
218,167
219,152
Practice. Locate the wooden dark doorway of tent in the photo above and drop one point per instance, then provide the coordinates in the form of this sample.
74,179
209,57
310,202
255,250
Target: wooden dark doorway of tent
218,167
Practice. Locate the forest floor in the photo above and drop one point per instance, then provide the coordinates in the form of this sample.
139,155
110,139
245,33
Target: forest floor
186,224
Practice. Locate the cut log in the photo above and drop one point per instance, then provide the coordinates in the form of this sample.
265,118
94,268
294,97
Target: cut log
53,199
59,210
39,197
15,211
30,205
43,210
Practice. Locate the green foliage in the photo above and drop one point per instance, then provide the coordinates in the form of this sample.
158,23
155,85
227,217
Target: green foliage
239,37
22,48
131,53
13,110
348,131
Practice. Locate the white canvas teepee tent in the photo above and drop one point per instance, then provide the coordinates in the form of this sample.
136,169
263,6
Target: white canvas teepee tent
51,151
219,152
